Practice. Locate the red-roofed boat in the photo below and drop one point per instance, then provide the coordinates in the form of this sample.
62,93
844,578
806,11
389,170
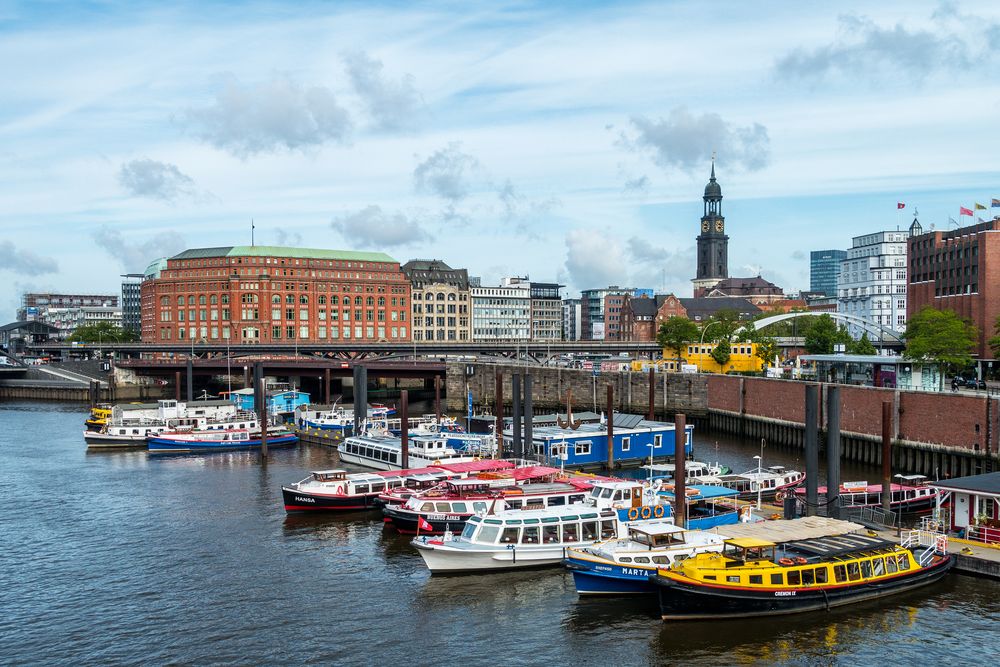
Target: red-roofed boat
910,495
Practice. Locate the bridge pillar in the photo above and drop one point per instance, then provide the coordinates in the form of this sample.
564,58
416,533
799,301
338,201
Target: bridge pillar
812,448
833,452
177,385
360,396
326,386
190,380
529,417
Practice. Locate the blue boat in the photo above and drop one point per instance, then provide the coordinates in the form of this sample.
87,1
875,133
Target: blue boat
188,442
708,506
623,567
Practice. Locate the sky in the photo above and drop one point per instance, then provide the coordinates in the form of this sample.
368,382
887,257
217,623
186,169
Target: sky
564,141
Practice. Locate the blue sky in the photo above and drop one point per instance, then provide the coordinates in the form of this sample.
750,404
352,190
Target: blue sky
565,141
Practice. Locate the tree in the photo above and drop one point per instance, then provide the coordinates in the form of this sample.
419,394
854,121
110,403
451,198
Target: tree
766,348
822,333
723,325
862,346
102,332
994,342
942,337
721,353
676,333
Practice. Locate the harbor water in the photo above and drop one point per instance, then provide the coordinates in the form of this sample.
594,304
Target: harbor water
127,558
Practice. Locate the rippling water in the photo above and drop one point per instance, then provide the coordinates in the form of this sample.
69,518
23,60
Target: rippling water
121,558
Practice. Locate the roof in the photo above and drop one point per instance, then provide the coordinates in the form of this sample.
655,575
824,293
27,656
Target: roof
860,359
34,326
705,307
706,491
749,542
643,306
839,545
986,483
281,251
664,528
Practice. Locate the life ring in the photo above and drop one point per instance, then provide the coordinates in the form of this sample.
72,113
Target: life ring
780,496
785,561
745,511
633,514
646,512
658,511
340,489
799,560
435,463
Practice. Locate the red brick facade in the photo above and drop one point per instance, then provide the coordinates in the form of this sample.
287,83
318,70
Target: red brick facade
255,294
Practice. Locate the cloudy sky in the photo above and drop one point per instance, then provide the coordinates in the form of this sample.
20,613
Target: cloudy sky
564,141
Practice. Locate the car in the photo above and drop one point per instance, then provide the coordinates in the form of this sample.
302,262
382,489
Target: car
980,384
958,381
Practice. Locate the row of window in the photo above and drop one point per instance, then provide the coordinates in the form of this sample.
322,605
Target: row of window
287,332
842,573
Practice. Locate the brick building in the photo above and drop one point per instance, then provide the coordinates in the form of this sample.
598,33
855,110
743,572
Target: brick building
957,270
268,294
442,302
639,322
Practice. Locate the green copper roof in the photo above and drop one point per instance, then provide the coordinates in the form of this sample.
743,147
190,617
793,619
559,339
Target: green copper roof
281,251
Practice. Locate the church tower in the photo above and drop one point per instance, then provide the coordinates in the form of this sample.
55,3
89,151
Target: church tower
713,244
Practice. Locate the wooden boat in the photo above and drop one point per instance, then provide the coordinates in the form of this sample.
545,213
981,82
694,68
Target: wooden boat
333,490
910,494
195,441
756,577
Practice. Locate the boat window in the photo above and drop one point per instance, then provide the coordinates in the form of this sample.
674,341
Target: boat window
733,578
495,522
866,568
550,534
589,531
469,529
515,504
878,567
839,573
360,488
903,562
509,535
607,493
534,504
853,572
478,507
530,535
595,493
756,579
443,507
821,575
642,559
459,507
625,559
794,577
550,519
807,578
535,521
557,500
618,495
777,579
662,560
608,529
890,564
571,532
427,507
378,486
710,577
488,534
576,498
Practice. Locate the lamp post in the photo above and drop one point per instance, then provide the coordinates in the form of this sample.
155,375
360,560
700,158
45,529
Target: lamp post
758,480
702,341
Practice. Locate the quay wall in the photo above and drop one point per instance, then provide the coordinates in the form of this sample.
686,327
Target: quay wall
936,434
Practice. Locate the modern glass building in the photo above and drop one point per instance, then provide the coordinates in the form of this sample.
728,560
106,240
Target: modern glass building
824,269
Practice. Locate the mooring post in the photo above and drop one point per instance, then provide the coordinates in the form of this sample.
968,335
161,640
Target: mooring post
360,397
177,386
833,451
404,429
437,398
527,443
246,377
611,426
886,456
515,399
652,394
190,380
261,399
812,449
499,413
680,472
326,386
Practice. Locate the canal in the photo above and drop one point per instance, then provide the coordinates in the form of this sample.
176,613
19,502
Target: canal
123,558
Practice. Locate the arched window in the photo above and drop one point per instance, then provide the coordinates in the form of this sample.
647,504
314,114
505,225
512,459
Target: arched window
451,297
214,299
225,298
290,299
191,300
381,301
358,301
275,298
440,296
370,301
201,300
347,300
321,299
180,301
164,300
303,298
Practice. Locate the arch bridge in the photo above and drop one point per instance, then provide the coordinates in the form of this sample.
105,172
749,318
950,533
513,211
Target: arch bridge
878,334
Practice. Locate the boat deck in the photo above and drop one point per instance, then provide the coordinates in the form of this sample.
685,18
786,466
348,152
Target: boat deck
805,528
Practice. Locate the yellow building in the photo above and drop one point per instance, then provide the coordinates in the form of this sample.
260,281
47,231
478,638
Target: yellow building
742,357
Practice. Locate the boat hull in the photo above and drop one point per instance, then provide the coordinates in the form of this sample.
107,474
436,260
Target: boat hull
300,501
406,522
592,578
97,440
160,445
681,601
441,559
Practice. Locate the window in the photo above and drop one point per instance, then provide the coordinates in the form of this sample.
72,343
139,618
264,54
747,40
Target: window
626,444
794,577
866,569
510,534
890,565
530,535
589,531
571,532
903,562
807,577
489,534
821,575
756,579
777,579
550,533
657,441
853,571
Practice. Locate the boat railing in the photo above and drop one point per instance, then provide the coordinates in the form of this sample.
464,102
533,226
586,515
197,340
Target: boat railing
934,543
873,517
984,534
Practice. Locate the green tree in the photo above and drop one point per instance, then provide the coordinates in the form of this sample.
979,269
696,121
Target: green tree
102,332
724,325
821,335
942,337
721,353
766,348
994,342
676,333
862,346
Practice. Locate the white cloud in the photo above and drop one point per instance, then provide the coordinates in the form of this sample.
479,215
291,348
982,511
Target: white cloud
155,180
393,105
594,259
25,262
446,173
371,227
277,114
136,256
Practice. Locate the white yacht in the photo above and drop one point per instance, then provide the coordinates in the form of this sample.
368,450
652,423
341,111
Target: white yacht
382,451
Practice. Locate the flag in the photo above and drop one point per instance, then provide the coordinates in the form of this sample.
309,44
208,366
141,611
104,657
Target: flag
980,207
423,525
900,205
995,203
964,211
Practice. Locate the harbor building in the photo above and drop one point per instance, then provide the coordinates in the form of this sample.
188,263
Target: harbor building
66,312
958,270
639,319
824,269
571,313
713,244
546,312
256,294
592,305
742,358
132,302
872,282
502,312
442,302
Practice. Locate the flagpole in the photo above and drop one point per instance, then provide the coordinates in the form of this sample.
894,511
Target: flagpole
251,232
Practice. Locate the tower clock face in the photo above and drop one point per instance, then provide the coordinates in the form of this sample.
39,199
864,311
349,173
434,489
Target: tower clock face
718,225
704,225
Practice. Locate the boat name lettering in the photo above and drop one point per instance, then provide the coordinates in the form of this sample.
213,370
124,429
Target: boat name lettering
632,572
305,500
443,517
784,594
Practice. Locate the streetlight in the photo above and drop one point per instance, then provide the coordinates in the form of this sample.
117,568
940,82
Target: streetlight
758,481
702,341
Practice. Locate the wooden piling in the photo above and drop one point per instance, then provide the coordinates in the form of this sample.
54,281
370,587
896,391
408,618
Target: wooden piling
680,474
611,426
886,455
404,428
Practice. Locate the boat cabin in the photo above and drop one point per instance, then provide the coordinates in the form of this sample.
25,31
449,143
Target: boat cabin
657,535
534,528
970,505
748,549
329,475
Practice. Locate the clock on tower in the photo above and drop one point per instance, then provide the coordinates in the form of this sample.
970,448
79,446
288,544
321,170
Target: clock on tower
713,244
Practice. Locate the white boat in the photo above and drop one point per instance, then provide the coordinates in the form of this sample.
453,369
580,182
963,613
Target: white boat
692,469
383,451
766,482
514,539
131,424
